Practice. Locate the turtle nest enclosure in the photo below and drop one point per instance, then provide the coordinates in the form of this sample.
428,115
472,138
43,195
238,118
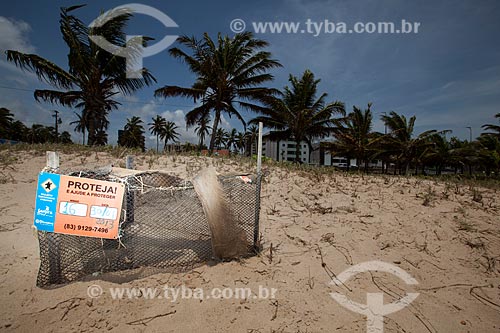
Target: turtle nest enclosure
163,225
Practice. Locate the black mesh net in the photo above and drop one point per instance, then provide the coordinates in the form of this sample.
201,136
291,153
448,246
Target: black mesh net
162,225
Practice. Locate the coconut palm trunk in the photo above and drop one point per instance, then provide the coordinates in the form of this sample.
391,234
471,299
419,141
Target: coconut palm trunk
214,131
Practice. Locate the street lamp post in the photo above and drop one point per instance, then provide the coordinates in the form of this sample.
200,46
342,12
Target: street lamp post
58,121
385,125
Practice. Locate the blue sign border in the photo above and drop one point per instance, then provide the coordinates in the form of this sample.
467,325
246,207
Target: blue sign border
46,201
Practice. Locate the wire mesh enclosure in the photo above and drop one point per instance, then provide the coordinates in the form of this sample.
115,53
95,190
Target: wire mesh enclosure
162,225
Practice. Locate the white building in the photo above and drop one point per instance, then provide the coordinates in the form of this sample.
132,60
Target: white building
284,150
321,155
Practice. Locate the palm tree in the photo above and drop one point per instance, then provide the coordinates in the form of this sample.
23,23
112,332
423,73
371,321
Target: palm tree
400,142
133,134
494,128
488,153
252,135
298,114
354,136
156,128
101,137
230,72
169,133
240,141
202,130
6,119
439,154
93,76
80,124
231,138
221,138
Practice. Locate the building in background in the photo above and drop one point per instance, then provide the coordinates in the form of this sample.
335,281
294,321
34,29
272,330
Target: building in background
284,150
321,154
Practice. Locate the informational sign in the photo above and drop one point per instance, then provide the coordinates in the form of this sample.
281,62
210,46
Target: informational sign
78,206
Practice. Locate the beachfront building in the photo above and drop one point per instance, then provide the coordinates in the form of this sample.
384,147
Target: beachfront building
322,155
283,150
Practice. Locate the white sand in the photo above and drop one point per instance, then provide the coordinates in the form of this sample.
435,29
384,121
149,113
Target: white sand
450,246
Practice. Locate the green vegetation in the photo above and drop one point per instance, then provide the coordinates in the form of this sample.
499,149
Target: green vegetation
15,130
132,135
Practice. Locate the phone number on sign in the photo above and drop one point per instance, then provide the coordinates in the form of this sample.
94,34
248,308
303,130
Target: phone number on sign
85,228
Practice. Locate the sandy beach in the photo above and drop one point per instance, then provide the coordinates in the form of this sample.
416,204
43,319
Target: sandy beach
314,225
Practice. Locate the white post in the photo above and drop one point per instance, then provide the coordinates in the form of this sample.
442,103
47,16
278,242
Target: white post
257,192
259,150
129,162
52,159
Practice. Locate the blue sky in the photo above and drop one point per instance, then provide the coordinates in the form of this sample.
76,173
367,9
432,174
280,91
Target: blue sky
448,74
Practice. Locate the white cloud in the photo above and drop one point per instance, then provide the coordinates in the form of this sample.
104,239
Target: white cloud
178,117
224,123
13,35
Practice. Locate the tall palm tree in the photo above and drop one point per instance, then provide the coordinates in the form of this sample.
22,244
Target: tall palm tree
229,73
202,130
298,114
133,134
401,142
93,76
157,127
80,124
354,136
492,127
169,133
